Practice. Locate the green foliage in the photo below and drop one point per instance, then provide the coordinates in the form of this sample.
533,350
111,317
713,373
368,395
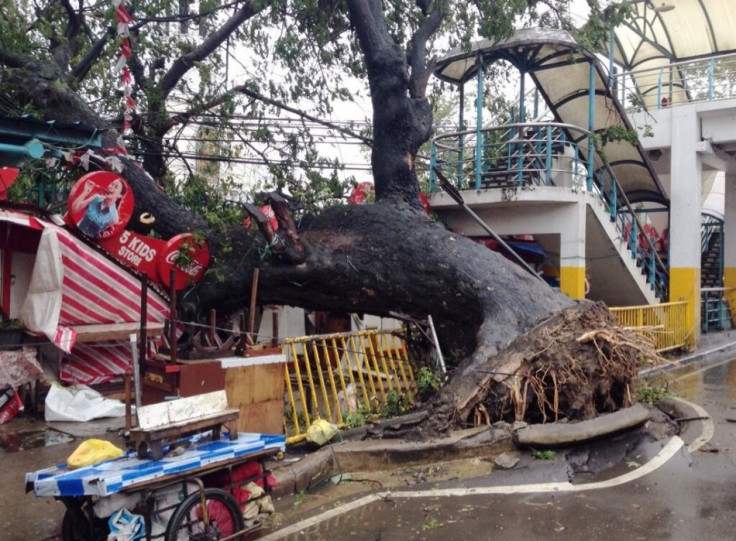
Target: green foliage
428,382
613,134
618,133
650,394
354,419
431,523
543,455
595,33
299,498
215,199
395,405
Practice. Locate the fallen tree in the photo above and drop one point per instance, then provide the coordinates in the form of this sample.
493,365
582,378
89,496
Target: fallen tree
519,348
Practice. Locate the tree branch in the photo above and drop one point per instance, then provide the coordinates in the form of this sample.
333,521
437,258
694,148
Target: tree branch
420,70
82,68
183,64
63,50
295,252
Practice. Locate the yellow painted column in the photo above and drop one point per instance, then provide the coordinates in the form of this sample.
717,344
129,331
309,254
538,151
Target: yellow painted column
729,282
729,242
572,250
685,286
685,218
572,282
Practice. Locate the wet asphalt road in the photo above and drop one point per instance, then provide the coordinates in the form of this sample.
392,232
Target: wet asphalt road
689,496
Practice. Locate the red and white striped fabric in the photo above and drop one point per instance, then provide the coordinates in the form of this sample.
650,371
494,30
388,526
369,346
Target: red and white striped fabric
97,290
96,362
93,290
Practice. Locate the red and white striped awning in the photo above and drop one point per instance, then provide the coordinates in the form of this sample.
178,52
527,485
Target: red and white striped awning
74,289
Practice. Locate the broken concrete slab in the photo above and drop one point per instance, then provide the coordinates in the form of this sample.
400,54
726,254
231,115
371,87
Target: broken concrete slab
561,434
306,473
367,455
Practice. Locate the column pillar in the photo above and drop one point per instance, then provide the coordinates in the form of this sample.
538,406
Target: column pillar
685,218
572,253
729,244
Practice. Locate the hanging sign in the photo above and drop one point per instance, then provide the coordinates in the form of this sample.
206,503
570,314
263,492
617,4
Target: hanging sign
188,256
100,205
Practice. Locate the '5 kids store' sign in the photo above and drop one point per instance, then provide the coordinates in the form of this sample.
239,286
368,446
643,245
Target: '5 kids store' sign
100,205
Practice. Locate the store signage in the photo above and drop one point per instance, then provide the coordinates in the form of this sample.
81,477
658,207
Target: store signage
100,206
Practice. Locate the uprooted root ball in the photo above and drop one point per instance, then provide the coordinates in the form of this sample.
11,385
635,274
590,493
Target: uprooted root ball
576,365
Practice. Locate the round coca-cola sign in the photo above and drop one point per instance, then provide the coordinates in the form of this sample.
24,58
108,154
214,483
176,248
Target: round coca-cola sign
188,256
100,204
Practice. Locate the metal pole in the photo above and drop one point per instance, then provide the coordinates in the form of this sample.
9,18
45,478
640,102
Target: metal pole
172,316
144,323
461,142
479,127
591,123
452,192
437,345
136,371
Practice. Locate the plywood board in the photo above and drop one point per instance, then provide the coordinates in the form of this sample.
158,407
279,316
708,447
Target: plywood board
115,331
201,377
183,409
258,392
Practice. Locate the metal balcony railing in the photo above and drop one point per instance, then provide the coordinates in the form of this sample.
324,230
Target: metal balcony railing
692,81
545,154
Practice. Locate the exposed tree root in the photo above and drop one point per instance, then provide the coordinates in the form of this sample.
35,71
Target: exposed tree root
575,365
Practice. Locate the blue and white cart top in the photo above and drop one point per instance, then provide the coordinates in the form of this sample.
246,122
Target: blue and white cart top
112,476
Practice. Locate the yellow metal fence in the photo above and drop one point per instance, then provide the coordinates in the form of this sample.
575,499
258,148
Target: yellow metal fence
334,376
665,323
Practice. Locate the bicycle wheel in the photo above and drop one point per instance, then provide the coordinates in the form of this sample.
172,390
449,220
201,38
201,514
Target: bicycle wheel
187,522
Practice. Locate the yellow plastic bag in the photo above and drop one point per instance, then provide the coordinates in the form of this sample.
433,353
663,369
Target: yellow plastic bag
321,431
91,452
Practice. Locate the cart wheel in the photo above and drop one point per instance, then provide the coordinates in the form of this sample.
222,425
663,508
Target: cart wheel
187,522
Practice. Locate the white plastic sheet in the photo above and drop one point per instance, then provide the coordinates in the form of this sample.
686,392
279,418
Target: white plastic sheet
42,305
79,403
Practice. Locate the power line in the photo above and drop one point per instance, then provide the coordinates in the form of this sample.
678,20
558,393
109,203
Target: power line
251,161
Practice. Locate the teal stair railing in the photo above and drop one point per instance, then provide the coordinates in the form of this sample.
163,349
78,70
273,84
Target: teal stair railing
525,155
715,312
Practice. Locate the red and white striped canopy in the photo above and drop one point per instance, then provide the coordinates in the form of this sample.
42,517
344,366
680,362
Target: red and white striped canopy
75,285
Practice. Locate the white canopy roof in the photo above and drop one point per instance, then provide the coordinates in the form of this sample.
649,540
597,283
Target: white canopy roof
560,69
665,32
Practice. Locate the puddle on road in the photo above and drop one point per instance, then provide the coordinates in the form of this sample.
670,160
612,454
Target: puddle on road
696,384
13,442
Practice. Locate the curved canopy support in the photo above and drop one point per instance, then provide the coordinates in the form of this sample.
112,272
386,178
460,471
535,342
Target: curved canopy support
561,70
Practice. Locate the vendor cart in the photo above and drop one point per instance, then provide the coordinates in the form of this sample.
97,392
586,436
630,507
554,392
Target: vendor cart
199,490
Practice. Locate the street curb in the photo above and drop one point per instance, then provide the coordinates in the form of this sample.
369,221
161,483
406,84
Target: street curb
564,434
696,426
352,456
713,355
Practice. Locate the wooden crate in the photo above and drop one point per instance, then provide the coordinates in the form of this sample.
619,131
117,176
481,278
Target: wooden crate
184,378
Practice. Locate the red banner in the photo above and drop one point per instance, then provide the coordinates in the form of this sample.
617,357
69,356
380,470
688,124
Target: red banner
136,251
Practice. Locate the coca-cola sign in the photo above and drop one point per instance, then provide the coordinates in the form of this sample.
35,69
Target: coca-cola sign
100,205
188,256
